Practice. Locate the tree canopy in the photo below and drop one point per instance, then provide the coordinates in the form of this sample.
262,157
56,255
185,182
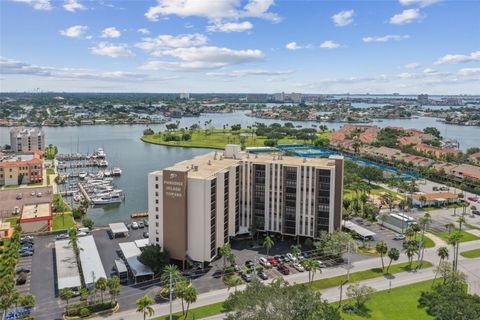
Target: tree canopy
154,257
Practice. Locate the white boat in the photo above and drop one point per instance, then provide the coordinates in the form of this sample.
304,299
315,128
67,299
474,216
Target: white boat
103,163
107,199
82,175
117,172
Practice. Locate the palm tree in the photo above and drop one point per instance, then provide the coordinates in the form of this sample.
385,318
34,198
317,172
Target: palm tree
422,199
173,270
114,287
180,289
27,301
424,222
101,284
410,251
190,296
233,281
66,294
225,251
442,254
144,305
296,250
461,220
268,243
454,240
382,249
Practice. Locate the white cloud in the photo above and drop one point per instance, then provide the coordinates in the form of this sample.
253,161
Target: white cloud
111,32
343,18
421,3
249,72
459,58
202,58
44,5
293,46
74,31
111,50
144,31
386,38
406,16
230,26
168,41
466,72
212,10
14,67
412,65
73,5
329,44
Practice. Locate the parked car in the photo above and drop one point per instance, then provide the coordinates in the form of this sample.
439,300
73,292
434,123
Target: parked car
249,263
26,253
129,226
39,194
476,212
247,277
298,267
21,279
61,236
16,211
19,196
435,188
321,264
262,275
474,199
82,234
283,269
444,188
291,257
27,248
306,255
236,267
273,261
22,269
264,262
32,194
141,225
145,222
399,237
134,225
26,238
145,234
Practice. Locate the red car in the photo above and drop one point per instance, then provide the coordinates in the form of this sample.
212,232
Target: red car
273,261
474,199
283,269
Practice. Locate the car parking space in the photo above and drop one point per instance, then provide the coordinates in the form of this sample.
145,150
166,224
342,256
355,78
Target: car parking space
12,198
24,263
381,234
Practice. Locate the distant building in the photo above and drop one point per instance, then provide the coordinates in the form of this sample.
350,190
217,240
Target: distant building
185,96
27,139
423,99
198,205
434,199
296,97
36,217
256,97
18,169
279,97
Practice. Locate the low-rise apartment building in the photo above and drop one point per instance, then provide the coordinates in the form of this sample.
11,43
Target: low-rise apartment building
19,169
27,139
197,205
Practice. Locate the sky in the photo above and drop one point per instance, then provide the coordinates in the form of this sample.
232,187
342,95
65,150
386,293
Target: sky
248,46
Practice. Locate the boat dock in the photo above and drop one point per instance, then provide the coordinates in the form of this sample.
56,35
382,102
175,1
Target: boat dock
84,193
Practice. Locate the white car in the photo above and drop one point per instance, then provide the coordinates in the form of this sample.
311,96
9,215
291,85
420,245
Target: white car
291,257
134,225
299,267
321,264
82,234
264,262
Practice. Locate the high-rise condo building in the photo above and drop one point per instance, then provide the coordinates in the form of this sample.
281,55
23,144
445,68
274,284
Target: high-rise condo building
27,139
197,205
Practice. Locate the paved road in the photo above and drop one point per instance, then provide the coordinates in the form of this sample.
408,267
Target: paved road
469,267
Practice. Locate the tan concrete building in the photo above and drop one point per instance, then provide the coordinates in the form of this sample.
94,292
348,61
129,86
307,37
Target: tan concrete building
27,139
18,169
197,205
36,217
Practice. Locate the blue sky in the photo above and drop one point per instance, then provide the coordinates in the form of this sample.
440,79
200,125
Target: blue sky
405,46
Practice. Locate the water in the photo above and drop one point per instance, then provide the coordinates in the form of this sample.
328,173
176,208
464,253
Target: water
136,158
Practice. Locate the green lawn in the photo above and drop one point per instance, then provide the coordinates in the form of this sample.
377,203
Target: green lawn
61,223
216,308
376,190
198,313
217,139
364,275
466,236
427,241
475,253
50,171
13,221
398,304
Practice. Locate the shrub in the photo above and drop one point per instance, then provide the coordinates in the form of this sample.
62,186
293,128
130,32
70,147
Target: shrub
84,312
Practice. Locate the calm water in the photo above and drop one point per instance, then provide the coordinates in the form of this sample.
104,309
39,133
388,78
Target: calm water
125,150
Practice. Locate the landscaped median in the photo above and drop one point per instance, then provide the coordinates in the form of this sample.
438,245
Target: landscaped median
217,308
475,253
464,235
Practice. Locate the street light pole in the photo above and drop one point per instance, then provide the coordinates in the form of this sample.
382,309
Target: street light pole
170,297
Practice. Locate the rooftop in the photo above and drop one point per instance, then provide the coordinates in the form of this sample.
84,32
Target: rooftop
32,211
436,196
68,275
207,165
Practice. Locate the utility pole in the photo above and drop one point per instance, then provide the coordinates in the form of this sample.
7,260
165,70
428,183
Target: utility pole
170,296
254,267
341,293
348,261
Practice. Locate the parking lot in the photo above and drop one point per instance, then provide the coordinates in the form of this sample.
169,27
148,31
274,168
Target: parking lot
381,234
8,198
